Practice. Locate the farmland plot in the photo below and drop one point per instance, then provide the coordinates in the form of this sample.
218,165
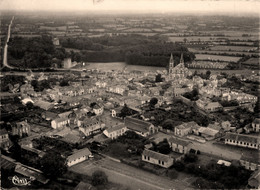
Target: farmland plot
216,57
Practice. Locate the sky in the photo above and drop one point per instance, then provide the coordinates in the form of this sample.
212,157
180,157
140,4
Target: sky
185,6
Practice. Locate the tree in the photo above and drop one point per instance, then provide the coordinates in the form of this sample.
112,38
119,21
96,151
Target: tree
125,111
164,147
53,165
29,105
64,83
173,174
158,78
153,102
168,124
99,178
190,157
179,166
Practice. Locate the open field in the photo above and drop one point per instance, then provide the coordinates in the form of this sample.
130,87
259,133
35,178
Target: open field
220,52
147,34
216,57
233,48
62,28
244,43
252,61
193,38
138,30
26,35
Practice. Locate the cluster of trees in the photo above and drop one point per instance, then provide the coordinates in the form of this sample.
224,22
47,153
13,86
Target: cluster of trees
12,80
53,165
60,146
134,49
214,176
39,86
157,54
231,103
203,75
126,111
131,140
234,82
193,95
179,113
35,52
99,178
163,147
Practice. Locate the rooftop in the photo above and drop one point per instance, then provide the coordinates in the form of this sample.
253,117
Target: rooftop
243,138
156,155
116,128
79,153
137,124
178,141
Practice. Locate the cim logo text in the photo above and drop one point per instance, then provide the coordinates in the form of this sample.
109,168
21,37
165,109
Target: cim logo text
21,181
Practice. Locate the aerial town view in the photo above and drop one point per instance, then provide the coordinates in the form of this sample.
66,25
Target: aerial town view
129,95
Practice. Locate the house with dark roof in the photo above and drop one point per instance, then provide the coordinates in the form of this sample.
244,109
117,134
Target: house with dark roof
241,140
78,156
47,115
140,127
115,132
179,145
157,158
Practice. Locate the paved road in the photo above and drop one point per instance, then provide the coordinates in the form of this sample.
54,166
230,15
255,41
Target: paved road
131,177
224,151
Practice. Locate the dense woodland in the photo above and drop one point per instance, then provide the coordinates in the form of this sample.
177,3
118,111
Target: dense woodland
134,49
37,52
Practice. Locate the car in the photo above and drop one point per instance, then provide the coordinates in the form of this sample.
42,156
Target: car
91,156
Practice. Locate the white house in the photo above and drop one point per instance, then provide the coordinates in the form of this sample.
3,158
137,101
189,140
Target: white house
115,132
157,158
98,110
78,157
256,125
59,122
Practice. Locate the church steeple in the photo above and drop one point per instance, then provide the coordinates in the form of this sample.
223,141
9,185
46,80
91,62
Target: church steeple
171,64
182,60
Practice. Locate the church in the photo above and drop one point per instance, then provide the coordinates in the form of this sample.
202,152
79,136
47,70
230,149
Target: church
177,72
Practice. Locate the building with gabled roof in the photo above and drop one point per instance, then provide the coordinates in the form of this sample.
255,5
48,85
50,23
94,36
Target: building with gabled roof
185,128
250,160
59,122
90,125
78,156
140,127
116,131
157,158
179,145
256,125
241,140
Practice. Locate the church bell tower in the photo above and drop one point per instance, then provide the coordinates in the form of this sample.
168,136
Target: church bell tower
171,65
